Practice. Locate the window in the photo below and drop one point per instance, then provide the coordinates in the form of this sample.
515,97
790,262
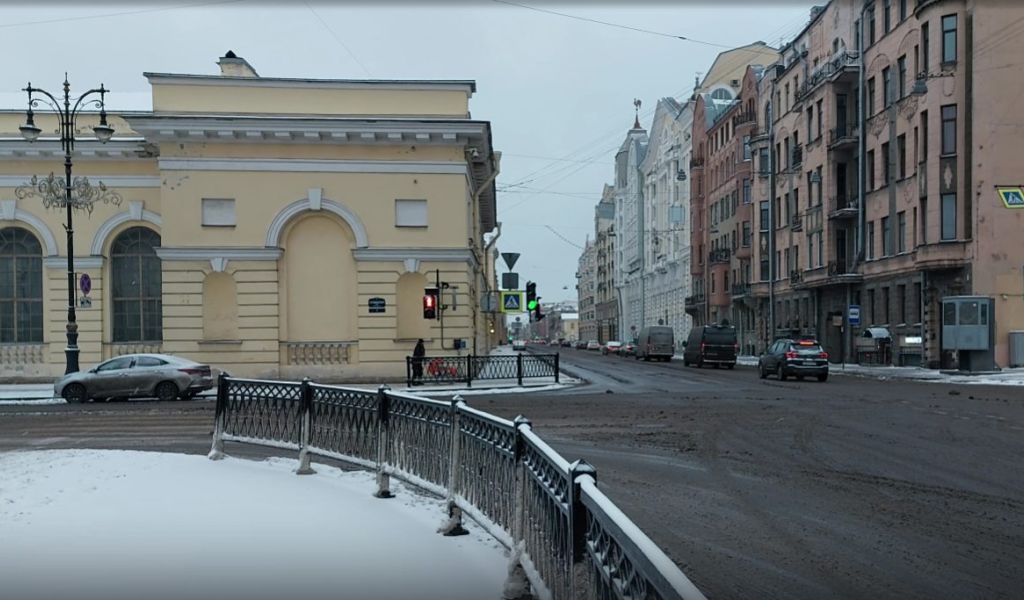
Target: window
917,141
887,86
821,184
869,102
763,166
924,220
918,300
924,48
901,231
746,191
137,286
149,361
887,16
949,129
917,60
116,364
924,136
746,234
410,213
764,215
885,305
789,155
949,39
901,156
871,306
886,179
886,237
901,304
871,240
746,147
901,84
871,25
21,287
870,170
218,212
820,116
903,10
948,217
810,123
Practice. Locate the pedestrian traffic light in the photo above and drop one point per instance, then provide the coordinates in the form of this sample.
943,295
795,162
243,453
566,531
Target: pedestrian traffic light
537,315
430,303
531,296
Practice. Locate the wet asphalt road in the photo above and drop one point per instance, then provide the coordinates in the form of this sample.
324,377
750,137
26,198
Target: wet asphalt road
853,488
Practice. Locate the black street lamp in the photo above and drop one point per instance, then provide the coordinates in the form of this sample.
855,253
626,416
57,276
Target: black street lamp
69,193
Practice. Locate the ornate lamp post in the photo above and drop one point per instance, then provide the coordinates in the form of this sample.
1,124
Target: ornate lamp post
70,193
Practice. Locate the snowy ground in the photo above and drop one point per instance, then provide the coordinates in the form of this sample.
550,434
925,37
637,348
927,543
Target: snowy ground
91,524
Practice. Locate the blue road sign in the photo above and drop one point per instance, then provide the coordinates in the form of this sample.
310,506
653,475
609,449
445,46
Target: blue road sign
512,302
853,315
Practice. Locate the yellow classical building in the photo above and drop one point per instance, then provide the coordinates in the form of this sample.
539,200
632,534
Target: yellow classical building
271,227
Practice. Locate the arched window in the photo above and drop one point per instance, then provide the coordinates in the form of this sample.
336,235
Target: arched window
21,287
136,286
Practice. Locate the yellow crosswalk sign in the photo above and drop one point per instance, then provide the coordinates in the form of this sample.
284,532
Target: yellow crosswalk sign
512,301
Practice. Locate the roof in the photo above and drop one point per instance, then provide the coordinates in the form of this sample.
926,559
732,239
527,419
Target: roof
468,85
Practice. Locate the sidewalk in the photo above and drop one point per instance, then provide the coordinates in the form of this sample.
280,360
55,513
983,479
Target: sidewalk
885,373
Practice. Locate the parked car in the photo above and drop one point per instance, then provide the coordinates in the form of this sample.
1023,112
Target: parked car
567,343
159,376
797,358
593,345
611,348
656,341
627,349
581,344
519,345
711,344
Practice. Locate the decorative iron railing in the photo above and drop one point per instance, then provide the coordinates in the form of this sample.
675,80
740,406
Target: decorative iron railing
470,368
567,539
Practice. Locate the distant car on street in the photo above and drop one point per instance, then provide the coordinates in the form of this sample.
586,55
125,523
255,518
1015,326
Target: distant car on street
611,348
627,349
519,345
711,345
159,376
656,341
593,345
797,358
567,343
581,345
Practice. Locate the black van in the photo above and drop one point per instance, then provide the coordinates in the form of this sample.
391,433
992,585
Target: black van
711,344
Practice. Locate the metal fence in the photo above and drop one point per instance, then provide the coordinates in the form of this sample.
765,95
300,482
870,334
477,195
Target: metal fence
470,368
568,540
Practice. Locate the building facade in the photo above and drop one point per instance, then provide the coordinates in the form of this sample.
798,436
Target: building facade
270,227
629,231
586,289
887,150
607,295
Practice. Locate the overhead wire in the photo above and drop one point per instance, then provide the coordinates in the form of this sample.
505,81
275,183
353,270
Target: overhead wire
117,14
337,38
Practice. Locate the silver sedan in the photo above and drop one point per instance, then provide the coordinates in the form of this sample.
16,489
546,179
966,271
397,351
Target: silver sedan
159,376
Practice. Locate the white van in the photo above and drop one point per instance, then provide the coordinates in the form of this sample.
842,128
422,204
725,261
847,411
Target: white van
656,341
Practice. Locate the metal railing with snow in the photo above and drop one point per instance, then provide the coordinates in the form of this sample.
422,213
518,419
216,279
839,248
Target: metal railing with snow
470,368
567,539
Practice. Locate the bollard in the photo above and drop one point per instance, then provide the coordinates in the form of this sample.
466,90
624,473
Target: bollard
383,433
453,525
217,450
304,435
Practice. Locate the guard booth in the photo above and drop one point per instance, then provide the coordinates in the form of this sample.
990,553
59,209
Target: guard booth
874,346
968,330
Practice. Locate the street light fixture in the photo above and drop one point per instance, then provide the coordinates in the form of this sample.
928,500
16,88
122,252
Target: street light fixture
70,193
921,83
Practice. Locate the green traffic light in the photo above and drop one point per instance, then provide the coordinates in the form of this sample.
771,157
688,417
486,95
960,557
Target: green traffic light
532,304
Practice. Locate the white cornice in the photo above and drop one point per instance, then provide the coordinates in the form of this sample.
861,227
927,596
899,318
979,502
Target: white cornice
225,252
459,85
421,254
313,165
84,149
83,262
112,181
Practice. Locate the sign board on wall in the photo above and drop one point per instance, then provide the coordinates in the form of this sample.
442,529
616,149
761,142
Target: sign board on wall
1012,197
377,305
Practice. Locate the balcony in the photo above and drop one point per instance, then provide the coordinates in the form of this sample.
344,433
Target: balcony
796,277
697,162
743,118
796,222
843,208
842,67
720,256
843,138
740,290
841,272
941,255
694,304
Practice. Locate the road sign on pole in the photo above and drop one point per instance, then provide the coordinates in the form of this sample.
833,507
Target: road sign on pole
512,302
853,315
510,259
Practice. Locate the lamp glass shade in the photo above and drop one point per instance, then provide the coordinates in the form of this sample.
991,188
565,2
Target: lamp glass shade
920,88
30,132
103,132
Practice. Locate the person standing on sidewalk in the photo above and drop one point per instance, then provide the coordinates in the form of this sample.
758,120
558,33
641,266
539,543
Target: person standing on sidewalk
417,362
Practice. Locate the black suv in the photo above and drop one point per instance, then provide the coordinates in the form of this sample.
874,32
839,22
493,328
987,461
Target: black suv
711,345
797,358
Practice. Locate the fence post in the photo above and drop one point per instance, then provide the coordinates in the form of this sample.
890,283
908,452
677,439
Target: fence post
408,371
383,439
578,526
304,435
557,354
519,369
469,370
217,450
453,524
517,584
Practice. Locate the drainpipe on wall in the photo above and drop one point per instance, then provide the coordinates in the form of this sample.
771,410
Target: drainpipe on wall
771,216
495,170
858,257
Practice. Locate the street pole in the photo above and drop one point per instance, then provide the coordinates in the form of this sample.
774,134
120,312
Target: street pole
48,188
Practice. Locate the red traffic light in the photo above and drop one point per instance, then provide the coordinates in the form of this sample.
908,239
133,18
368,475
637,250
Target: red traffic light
430,304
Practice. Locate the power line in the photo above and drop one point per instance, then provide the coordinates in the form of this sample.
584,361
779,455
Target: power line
620,26
117,14
337,38
563,238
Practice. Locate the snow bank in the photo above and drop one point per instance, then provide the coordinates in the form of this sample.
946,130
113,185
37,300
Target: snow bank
88,524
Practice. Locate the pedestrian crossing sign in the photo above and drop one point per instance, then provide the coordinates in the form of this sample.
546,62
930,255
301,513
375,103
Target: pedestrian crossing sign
512,302
1013,197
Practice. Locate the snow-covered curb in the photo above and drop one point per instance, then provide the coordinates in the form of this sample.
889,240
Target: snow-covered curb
125,524
420,391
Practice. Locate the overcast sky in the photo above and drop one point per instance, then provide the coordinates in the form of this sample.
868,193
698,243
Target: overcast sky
558,91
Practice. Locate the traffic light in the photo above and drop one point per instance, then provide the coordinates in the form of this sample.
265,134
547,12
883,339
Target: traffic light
430,303
531,296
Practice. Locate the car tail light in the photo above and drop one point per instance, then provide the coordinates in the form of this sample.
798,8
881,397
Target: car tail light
702,344
791,355
736,347
823,355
